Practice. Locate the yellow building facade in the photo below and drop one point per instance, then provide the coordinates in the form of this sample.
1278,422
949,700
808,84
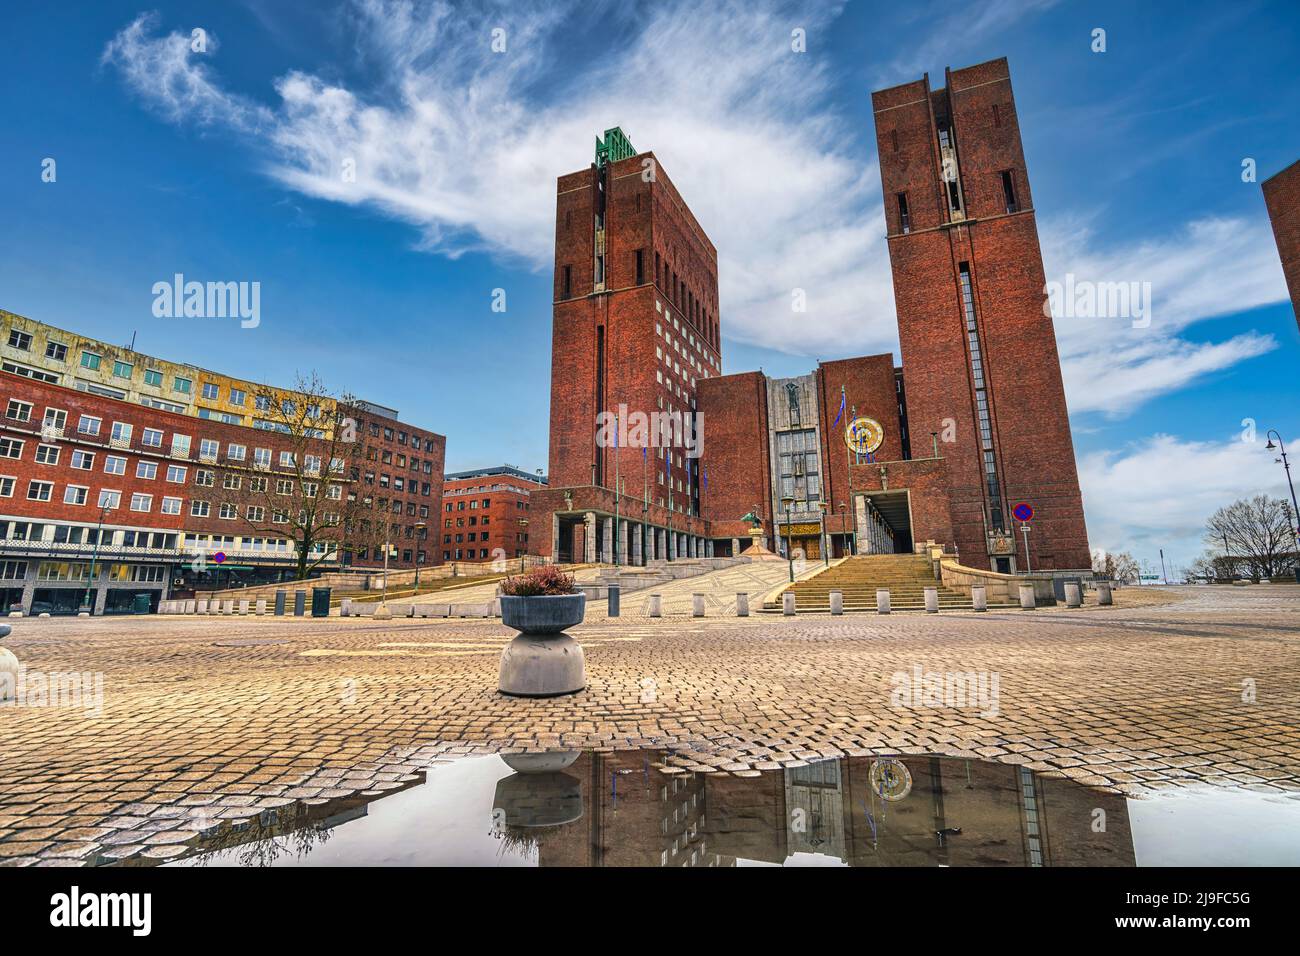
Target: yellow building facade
49,354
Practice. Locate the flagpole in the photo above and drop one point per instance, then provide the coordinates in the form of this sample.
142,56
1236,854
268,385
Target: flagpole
849,452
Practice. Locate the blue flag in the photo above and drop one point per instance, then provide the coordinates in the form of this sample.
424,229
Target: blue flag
840,413
706,477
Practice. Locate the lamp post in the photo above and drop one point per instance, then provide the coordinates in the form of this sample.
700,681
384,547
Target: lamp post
786,502
523,528
1286,465
94,557
843,519
382,611
825,538
419,526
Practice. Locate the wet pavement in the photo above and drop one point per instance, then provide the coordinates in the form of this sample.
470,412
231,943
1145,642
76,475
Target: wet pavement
199,720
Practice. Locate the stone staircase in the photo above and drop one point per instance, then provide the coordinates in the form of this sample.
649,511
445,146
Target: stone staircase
657,572
905,576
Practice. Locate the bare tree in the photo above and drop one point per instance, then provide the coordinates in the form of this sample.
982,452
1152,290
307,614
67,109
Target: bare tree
1118,566
1255,533
303,487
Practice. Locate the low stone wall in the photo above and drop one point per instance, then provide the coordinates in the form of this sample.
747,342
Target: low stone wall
998,588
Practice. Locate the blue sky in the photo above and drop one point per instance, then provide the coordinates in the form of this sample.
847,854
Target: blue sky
225,165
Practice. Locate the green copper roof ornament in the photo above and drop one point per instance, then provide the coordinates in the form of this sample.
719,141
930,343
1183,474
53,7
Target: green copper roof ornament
615,146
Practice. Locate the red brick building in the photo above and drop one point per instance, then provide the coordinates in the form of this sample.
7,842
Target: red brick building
486,514
1282,197
859,455
400,469
979,353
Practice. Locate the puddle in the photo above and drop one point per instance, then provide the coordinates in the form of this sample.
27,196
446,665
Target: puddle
620,809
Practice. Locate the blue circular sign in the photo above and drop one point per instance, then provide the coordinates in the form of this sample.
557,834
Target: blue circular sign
1022,512
219,557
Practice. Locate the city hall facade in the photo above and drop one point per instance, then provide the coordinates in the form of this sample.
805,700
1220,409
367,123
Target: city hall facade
859,455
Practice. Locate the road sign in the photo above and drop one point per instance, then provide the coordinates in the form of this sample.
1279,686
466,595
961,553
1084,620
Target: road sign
219,557
1023,511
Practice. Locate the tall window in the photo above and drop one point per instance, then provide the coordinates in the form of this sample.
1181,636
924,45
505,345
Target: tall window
904,221
800,475
981,402
1009,190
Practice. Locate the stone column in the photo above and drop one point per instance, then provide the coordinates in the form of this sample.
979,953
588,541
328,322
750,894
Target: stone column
607,541
555,538
589,538
735,547
637,556
624,543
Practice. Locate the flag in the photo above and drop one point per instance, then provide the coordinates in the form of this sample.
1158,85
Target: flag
706,477
840,413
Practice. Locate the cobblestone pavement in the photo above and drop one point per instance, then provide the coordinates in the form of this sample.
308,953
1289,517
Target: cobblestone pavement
211,720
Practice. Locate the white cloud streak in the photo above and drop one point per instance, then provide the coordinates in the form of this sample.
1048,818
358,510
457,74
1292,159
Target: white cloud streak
456,141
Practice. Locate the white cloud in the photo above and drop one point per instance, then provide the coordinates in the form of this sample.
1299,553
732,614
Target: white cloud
465,144
1208,268
1158,493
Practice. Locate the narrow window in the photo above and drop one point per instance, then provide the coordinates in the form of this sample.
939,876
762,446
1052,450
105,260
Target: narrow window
997,116
893,136
1009,190
904,221
640,264
567,289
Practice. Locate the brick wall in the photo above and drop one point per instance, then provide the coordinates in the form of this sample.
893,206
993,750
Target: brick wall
1282,197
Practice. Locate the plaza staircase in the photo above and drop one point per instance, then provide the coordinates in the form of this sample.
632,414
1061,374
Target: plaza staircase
905,576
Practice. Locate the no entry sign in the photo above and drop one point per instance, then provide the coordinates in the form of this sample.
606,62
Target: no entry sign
1023,511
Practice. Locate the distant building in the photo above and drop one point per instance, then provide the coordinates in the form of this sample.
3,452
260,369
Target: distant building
116,459
485,513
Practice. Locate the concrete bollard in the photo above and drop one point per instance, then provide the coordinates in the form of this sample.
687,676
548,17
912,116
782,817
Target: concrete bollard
787,604
279,603
614,593
882,601
1104,595
299,602
837,602
1073,595
345,609
260,606
979,598
243,605
655,607
228,607
1027,602
931,600
742,604
697,605
189,607
201,607
214,606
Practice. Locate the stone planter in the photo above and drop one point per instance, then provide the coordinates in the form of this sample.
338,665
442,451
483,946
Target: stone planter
8,669
542,661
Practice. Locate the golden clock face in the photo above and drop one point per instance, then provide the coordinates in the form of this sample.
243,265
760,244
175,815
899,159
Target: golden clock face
864,435
890,779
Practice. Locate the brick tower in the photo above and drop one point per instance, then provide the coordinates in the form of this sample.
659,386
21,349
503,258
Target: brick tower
635,329
979,353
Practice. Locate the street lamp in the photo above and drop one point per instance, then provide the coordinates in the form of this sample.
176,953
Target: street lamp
87,606
419,526
1286,466
826,556
523,529
786,502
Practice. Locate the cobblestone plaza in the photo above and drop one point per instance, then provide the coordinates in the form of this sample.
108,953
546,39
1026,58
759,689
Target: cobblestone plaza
205,720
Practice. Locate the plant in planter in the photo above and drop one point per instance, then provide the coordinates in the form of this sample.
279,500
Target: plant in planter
542,661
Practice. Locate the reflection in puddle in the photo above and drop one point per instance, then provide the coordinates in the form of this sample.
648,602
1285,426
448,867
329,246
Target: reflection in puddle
621,809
